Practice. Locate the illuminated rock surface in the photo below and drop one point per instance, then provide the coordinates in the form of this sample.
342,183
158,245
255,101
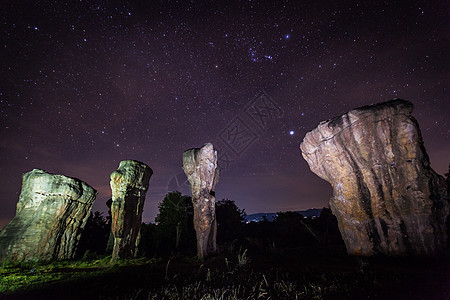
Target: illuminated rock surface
50,216
387,199
129,185
200,166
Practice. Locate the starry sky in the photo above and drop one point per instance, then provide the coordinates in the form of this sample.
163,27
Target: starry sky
86,84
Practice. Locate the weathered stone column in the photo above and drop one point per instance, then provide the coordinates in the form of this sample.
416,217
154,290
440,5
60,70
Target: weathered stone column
50,216
129,185
387,199
200,166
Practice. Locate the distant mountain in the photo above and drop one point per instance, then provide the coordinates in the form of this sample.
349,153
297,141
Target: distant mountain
312,212
260,217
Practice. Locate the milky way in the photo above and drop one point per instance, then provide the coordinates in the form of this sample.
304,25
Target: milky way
86,84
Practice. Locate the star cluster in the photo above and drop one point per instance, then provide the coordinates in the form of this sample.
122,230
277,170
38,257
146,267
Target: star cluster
86,84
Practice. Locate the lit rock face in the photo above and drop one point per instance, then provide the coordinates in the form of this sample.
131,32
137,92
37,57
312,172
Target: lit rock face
129,185
200,166
387,199
50,216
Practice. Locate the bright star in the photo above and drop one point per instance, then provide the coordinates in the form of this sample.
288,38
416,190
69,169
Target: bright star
288,36
291,132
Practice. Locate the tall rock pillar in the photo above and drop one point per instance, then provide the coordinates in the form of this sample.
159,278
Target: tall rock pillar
129,185
200,166
50,216
387,199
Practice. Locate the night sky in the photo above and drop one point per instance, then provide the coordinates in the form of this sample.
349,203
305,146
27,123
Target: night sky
86,84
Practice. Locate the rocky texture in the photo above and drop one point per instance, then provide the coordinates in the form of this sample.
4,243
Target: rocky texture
200,166
51,214
129,185
387,199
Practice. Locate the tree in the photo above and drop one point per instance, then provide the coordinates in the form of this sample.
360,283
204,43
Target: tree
327,225
447,180
292,230
175,219
289,219
95,234
230,220
148,243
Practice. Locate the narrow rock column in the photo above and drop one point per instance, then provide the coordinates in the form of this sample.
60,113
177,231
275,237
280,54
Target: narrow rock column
200,166
387,199
50,217
129,185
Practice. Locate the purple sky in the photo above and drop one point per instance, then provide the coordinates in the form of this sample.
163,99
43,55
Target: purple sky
87,84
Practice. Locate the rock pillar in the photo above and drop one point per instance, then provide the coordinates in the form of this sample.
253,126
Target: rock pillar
200,166
50,216
387,199
129,185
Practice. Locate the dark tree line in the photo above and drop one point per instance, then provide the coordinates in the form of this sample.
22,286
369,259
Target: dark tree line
173,232
291,229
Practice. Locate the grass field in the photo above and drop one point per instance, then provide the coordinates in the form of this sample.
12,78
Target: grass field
298,273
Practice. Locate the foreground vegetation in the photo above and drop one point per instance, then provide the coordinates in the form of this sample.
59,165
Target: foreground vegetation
300,273
28,276
291,258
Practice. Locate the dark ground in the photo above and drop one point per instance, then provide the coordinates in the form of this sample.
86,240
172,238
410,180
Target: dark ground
305,273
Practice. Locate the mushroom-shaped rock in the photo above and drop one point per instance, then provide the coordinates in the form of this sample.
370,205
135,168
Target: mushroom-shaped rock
386,197
50,216
200,166
129,185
